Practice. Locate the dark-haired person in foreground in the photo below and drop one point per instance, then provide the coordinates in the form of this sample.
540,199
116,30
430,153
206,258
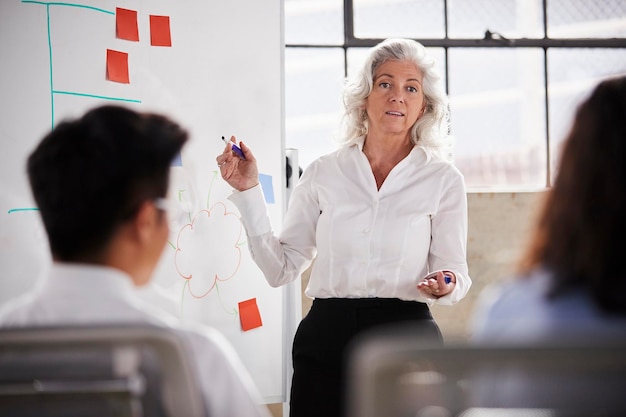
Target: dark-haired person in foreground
569,292
570,283
100,184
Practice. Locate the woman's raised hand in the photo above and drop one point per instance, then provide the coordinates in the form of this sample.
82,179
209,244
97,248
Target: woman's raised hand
240,173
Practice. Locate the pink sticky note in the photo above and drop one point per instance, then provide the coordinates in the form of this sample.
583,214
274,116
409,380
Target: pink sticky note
126,24
160,31
117,66
249,315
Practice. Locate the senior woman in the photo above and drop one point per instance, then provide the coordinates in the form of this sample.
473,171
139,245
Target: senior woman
384,217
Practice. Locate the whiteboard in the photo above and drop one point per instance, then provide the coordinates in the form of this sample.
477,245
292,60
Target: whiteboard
221,76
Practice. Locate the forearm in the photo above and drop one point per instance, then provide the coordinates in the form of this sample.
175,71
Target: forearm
280,262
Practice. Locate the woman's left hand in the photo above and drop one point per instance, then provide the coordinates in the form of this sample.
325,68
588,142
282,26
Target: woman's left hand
435,285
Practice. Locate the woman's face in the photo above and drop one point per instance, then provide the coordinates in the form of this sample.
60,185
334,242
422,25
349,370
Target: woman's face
397,98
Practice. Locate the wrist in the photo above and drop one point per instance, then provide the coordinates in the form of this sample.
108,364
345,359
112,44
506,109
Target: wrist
248,186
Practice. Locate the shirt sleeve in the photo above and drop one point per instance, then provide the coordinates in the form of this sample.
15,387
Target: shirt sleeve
448,248
281,259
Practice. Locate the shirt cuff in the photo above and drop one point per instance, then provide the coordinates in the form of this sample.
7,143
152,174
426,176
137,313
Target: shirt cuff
253,211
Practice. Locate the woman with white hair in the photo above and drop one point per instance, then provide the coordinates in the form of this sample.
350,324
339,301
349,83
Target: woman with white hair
384,217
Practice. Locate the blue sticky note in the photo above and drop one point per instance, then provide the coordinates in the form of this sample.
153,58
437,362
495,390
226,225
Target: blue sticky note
268,187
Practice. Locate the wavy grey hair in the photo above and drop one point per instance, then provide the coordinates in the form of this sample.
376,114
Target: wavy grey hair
431,129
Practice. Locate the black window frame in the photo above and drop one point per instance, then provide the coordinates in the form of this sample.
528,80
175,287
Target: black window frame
489,40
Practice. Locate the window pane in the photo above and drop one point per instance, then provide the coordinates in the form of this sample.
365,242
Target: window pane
314,22
497,102
356,58
509,18
313,82
586,19
572,74
398,18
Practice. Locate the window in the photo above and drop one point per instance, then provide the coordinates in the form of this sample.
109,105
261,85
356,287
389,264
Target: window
514,72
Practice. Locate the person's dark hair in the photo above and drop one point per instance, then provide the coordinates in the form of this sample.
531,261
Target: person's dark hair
583,221
91,174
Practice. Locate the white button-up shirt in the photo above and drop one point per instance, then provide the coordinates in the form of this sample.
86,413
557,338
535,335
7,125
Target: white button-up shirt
366,242
82,294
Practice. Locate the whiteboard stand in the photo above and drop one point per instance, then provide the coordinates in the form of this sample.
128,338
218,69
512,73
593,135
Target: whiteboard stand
292,172
293,290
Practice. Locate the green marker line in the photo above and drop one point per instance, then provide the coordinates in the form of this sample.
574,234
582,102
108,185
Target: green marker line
55,3
50,65
23,209
71,93
182,297
48,4
208,197
219,297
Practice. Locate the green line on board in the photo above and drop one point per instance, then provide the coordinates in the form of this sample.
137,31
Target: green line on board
54,3
219,297
208,197
180,199
182,297
82,6
50,64
70,93
23,209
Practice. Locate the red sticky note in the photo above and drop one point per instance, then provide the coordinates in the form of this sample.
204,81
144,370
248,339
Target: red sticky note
160,31
117,66
126,24
249,315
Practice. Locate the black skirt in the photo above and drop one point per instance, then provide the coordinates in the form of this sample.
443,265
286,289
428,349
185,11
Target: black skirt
321,346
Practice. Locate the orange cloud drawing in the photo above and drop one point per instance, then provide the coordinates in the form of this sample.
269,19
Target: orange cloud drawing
207,249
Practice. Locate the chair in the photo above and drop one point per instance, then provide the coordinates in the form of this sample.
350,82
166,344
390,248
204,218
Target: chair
393,374
125,370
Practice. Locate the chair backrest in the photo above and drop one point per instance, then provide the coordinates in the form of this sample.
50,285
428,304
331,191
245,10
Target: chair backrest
394,374
111,370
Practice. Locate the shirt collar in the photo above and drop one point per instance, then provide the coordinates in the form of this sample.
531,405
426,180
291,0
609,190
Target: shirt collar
89,277
418,152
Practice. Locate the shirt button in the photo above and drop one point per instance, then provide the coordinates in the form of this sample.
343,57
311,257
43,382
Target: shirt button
366,230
